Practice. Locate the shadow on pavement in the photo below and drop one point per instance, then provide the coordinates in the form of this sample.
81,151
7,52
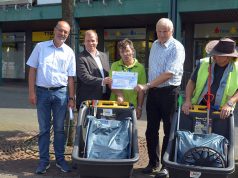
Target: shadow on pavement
17,159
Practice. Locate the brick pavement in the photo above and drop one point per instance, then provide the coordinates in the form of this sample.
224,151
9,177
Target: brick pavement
16,115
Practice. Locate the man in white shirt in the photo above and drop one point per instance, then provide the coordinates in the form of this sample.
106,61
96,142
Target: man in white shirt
166,61
51,88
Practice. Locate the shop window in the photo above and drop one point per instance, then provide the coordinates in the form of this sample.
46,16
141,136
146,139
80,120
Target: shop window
13,56
111,50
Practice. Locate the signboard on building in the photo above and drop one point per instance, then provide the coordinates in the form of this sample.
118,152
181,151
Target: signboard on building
41,2
216,30
15,2
131,33
42,36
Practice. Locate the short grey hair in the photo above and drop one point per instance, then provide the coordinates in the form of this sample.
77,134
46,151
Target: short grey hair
165,22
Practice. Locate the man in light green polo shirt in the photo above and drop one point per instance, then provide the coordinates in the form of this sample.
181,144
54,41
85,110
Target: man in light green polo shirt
128,63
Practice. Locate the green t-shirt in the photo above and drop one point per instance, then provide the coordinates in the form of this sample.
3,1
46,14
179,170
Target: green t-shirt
129,95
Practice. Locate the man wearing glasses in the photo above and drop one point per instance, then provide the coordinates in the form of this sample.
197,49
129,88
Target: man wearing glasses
51,89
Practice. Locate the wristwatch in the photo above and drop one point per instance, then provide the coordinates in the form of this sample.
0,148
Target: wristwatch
230,103
71,98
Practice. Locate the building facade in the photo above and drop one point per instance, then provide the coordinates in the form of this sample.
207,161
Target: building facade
23,23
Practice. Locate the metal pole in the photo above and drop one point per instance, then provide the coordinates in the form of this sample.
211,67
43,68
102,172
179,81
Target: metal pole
209,127
173,15
180,102
1,56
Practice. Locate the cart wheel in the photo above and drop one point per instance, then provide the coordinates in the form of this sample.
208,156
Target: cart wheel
204,156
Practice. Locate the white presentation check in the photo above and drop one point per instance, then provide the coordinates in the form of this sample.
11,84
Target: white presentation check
124,80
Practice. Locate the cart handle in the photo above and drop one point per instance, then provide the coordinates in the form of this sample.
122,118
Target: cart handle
202,109
109,104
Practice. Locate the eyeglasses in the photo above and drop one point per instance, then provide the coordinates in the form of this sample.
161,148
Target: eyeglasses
62,30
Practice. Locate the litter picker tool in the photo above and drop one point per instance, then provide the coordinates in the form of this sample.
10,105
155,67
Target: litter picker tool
209,124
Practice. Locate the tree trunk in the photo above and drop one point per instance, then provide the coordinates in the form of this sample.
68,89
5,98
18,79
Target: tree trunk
68,15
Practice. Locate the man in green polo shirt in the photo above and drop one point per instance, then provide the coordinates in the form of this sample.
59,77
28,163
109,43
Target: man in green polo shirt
128,63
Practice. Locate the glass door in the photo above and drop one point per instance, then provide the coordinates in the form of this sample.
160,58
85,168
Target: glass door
13,56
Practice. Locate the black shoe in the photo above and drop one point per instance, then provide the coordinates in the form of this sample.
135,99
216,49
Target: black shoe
163,173
150,169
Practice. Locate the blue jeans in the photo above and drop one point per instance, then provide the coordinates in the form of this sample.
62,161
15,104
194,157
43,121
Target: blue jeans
51,103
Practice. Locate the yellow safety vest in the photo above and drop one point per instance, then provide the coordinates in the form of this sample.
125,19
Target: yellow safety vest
231,84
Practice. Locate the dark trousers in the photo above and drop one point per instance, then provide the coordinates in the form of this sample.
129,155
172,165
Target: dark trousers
161,104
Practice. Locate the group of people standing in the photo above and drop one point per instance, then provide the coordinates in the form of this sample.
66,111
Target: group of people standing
53,67
51,86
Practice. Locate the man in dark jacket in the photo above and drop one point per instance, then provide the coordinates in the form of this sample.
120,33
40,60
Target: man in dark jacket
92,71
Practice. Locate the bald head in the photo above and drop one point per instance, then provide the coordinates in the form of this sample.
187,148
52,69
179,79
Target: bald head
61,33
62,23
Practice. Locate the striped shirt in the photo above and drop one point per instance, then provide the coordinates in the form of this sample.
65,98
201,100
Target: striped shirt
167,57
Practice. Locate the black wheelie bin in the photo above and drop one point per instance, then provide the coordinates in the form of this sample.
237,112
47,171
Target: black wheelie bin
93,161
201,161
